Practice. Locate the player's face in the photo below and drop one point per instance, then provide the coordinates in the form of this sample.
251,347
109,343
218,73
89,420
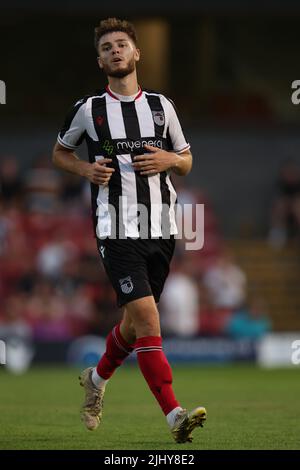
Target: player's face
117,54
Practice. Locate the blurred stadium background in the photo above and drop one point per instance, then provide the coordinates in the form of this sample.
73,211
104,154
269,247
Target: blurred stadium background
229,70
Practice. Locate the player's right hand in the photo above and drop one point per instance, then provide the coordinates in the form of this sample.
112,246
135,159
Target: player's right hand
99,173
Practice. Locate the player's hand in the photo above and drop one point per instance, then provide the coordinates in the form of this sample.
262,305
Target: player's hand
155,162
98,172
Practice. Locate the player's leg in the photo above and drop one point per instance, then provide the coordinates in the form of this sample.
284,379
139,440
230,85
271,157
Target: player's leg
151,358
126,270
119,344
180,420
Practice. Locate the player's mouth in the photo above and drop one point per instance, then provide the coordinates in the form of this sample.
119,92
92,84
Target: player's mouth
117,59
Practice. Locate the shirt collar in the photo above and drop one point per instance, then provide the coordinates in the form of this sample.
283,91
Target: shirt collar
119,97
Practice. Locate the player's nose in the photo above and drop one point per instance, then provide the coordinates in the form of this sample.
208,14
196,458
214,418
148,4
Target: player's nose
115,50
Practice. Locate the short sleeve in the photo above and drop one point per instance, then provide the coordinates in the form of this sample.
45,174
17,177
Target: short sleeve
72,133
174,129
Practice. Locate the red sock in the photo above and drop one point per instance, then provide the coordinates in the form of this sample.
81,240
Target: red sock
117,349
157,371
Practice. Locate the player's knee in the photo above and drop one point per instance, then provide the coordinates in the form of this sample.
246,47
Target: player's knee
131,333
147,328
145,319
128,331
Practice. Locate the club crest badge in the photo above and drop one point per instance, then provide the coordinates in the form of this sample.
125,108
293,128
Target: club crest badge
126,285
158,117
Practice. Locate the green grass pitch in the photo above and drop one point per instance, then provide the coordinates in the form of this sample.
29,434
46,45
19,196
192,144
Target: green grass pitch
248,408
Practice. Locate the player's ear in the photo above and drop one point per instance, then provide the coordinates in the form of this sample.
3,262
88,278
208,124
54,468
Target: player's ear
137,55
100,62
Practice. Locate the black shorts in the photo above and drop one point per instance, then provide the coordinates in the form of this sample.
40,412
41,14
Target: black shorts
136,268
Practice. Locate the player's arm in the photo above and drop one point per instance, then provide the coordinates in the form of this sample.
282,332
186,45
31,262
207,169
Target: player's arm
183,158
69,138
182,163
67,160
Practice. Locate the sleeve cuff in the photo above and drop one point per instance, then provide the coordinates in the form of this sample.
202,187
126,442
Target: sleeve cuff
64,144
184,149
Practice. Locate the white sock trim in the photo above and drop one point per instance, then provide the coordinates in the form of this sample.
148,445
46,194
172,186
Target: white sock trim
98,381
172,416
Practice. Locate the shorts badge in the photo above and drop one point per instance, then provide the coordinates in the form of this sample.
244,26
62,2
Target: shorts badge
126,285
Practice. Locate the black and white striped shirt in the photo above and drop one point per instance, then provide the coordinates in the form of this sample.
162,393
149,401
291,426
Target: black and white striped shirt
117,128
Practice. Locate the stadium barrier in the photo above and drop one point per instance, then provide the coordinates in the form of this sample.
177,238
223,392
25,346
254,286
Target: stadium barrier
274,350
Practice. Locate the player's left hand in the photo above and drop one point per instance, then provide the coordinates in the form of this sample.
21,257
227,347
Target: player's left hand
155,162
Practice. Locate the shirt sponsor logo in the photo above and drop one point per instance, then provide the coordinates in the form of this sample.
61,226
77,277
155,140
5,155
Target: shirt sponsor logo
108,147
132,145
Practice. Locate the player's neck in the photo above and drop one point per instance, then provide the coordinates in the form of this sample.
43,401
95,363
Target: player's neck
126,86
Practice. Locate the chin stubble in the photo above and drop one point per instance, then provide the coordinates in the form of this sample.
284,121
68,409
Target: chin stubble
120,73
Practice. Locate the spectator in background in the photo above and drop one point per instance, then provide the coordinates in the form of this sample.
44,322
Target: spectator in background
5,225
249,322
12,317
81,310
10,181
212,320
187,199
226,283
42,185
180,303
71,193
16,332
47,313
285,215
53,255
17,253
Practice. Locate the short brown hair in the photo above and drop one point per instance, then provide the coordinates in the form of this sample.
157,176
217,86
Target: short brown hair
114,24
